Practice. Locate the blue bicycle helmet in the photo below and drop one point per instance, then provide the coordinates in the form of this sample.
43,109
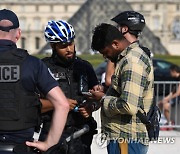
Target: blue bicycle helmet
59,31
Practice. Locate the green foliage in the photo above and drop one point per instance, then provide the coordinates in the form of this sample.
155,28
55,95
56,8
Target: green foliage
172,59
96,59
40,56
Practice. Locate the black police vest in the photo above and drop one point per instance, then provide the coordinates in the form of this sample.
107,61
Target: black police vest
19,109
69,79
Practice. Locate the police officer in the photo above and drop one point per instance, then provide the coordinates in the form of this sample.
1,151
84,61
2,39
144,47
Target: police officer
75,77
20,76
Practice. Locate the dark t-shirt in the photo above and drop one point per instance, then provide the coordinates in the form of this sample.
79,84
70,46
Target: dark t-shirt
35,74
70,77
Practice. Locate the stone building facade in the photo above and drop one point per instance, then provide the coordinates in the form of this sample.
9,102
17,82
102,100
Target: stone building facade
162,18
34,15
94,12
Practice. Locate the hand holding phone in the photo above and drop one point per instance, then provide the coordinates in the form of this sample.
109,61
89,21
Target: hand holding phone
87,93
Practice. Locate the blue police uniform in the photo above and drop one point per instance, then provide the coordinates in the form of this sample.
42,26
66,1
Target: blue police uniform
34,77
74,78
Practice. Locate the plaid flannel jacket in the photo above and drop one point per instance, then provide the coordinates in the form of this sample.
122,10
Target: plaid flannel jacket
132,87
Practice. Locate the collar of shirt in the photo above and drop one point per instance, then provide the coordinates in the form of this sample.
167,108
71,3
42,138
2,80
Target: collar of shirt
126,50
6,45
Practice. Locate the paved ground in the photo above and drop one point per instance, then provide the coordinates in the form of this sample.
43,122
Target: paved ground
168,143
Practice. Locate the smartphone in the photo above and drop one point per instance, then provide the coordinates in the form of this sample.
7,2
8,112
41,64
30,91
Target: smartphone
87,93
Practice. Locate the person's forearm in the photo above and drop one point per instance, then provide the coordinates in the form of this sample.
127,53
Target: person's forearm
167,98
46,105
61,109
114,105
57,126
175,95
109,72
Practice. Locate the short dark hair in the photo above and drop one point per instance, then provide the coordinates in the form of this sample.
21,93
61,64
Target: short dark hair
175,68
103,35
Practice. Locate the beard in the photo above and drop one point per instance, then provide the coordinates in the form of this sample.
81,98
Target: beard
60,60
113,59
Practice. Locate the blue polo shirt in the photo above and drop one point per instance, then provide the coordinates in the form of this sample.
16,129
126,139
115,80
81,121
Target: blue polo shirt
35,77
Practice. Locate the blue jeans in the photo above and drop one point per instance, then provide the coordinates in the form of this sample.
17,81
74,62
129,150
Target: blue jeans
133,148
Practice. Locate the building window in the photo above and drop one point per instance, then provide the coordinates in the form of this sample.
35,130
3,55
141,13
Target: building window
65,8
37,8
52,8
156,6
23,42
37,41
177,7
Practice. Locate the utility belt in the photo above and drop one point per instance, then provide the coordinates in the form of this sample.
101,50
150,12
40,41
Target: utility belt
18,148
6,147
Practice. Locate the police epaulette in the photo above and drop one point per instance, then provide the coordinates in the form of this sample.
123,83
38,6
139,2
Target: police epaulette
20,53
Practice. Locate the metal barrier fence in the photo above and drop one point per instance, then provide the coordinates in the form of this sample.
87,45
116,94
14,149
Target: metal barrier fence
161,89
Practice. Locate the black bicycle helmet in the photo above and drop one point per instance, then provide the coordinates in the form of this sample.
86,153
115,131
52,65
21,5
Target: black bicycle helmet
133,20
